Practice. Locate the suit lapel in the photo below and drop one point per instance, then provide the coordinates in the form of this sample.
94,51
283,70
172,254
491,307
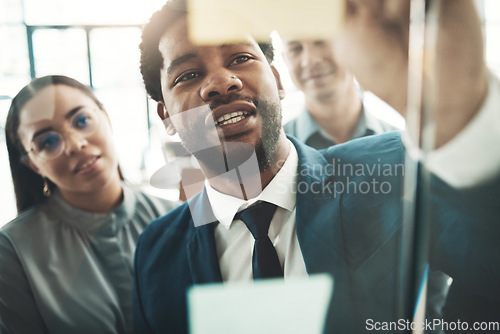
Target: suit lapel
319,230
317,210
202,252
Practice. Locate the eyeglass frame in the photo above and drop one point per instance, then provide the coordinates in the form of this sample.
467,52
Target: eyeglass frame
34,150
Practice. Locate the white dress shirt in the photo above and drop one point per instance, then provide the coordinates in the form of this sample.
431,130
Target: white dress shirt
472,157
235,242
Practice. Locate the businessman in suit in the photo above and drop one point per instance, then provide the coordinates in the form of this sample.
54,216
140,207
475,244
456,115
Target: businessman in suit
223,101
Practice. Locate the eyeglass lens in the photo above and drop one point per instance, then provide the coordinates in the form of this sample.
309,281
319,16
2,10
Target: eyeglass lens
50,144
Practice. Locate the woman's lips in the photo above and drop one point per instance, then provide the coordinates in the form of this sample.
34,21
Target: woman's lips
86,165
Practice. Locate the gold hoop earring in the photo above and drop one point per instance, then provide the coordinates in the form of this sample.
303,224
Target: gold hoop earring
46,188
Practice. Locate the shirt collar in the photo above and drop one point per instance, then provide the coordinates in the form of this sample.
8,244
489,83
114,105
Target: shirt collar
280,191
86,220
371,125
306,126
367,125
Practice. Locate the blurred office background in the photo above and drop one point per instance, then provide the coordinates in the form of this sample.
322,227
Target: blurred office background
96,42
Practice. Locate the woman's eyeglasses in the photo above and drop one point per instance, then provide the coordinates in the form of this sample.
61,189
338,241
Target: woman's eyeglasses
49,145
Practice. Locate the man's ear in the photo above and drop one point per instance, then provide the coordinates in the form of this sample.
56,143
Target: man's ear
162,112
165,117
279,85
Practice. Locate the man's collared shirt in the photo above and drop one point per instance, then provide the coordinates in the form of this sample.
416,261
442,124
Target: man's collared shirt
234,241
305,129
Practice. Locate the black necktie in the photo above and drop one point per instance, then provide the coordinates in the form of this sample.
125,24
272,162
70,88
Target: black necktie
257,218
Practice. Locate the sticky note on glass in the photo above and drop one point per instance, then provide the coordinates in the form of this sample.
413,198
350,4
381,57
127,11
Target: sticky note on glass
297,305
222,21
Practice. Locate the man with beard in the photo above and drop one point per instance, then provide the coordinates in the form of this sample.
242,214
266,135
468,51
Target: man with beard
223,101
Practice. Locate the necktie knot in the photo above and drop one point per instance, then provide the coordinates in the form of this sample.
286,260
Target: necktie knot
257,218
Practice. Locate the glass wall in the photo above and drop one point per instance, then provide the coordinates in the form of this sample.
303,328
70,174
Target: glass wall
96,42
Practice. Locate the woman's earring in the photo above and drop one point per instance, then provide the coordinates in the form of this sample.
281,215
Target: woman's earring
46,188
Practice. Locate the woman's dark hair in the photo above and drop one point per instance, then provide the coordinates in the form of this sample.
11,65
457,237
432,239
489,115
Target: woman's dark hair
28,185
152,59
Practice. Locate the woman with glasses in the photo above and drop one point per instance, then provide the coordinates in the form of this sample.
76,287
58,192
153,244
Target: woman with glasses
66,260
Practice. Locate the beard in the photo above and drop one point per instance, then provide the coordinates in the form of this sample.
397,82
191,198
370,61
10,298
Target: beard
225,156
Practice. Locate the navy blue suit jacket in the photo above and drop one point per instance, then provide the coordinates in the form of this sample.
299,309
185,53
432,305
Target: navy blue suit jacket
345,226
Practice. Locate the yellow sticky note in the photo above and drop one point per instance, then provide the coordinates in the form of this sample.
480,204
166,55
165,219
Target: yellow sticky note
222,21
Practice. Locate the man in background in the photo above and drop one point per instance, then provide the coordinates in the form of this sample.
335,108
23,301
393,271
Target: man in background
334,111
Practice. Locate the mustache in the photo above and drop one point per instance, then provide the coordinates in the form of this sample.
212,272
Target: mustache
231,98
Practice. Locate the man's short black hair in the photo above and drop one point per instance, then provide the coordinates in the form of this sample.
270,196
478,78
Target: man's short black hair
151,58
